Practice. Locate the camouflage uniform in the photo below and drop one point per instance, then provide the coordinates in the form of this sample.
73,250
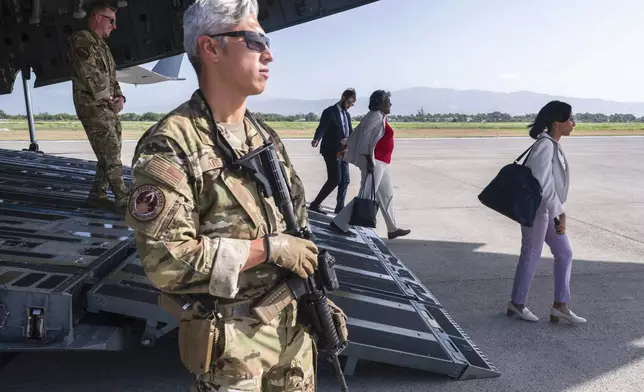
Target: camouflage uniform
93,75
194,221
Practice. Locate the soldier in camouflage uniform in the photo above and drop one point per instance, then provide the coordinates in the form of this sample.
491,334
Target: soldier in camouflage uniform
98,100
207,231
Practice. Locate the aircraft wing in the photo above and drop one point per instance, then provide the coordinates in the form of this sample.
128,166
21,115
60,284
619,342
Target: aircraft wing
165,70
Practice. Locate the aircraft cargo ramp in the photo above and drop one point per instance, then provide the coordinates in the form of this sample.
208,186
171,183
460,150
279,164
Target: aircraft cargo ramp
70,279
52,247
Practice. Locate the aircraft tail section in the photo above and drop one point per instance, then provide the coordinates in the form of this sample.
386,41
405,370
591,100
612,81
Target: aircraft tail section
165,70
169,67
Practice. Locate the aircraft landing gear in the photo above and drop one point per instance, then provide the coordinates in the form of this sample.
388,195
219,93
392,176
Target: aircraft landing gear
26,75
33,147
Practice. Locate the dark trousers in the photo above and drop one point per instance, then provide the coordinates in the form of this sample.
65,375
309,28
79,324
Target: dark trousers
337,172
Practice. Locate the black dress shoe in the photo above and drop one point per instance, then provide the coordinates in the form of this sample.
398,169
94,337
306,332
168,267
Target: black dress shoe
316,209
398,233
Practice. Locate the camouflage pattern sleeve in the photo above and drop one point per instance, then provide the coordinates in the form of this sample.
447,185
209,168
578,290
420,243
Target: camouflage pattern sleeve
297,186
117,87
84,60
163,213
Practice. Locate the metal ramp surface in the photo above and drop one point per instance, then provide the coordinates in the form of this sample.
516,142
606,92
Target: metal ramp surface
51,181
51,247
392,317
128,291
63,263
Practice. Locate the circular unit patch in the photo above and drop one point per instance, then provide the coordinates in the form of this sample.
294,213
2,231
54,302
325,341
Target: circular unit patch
81,53
146,202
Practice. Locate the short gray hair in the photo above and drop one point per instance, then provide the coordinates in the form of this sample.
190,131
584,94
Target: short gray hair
377,98
208,17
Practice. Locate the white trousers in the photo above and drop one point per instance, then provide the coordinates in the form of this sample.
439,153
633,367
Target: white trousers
384,194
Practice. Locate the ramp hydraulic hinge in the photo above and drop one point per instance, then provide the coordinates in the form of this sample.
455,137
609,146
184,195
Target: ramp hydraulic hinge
35,324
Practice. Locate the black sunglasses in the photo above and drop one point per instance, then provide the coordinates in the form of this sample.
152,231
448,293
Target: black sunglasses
112,20
254,41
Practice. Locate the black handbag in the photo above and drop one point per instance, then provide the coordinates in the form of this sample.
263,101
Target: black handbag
364,211
514,192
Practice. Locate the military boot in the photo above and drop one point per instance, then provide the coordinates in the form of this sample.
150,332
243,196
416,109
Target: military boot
99,200
121,205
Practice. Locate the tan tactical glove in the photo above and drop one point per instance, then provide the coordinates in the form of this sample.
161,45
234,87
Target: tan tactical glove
340,321
293,253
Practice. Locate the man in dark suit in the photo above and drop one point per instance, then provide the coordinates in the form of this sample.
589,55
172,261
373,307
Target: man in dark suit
334,129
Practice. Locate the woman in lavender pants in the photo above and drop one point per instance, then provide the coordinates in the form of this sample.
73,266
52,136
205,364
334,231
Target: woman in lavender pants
550,167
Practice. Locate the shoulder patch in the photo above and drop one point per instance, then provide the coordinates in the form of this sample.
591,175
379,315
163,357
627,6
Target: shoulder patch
162,169
81,53
146,202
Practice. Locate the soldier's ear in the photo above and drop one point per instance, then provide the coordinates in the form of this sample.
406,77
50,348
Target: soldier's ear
208,48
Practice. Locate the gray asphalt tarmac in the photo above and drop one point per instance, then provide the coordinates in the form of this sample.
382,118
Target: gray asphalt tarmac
465,254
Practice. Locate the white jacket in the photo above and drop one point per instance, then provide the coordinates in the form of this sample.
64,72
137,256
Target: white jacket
363,139
550,167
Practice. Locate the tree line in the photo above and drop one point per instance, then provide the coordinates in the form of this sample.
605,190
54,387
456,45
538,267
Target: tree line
420,116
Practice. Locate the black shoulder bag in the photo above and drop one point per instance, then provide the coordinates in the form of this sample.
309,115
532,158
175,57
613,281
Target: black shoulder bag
514,192
365,209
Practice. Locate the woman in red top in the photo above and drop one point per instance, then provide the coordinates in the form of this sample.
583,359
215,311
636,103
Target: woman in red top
372,152
385,190
385,146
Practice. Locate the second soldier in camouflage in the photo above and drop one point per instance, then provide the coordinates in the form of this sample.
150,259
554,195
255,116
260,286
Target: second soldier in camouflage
98,100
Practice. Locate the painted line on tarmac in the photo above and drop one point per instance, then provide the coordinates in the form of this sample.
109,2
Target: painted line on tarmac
510,137
398,139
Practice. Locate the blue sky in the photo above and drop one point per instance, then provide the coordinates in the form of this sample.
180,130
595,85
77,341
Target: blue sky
579,48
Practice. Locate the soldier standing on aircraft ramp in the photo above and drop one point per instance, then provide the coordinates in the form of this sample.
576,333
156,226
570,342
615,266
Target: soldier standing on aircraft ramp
98,100
207,236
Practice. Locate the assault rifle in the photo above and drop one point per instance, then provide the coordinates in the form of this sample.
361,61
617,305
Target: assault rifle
313,308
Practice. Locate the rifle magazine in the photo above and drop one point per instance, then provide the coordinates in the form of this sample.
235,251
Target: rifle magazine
271,304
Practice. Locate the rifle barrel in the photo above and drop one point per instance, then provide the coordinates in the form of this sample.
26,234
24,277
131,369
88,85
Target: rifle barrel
338,372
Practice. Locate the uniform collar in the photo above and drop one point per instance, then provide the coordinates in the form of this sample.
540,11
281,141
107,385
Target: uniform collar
205,124
96,37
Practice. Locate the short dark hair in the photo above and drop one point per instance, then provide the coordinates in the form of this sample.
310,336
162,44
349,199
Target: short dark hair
349,93
551,112
96,6
377,98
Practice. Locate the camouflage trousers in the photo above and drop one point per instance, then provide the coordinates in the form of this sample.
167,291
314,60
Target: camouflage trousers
256,357
103,130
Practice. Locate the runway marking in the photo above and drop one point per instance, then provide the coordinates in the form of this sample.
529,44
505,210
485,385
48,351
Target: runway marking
607,230
442,174
398,139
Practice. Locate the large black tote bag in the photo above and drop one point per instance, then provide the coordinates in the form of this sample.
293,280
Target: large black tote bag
364,210
514,192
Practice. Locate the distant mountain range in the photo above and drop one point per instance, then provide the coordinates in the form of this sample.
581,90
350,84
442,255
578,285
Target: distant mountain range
441,100
57,99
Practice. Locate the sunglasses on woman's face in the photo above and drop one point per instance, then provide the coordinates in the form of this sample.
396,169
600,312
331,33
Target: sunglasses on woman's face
254,41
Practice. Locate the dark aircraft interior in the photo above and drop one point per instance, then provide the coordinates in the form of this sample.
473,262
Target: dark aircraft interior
33,33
